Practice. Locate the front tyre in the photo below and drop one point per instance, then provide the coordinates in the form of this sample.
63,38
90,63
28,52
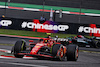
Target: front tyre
72,52
18,47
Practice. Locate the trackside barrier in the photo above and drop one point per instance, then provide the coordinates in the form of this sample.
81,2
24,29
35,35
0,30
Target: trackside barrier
49,26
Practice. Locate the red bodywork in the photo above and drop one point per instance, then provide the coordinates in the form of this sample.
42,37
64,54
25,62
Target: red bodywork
47,42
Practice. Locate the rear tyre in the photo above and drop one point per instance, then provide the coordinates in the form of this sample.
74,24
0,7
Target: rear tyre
58,51
72,52
98,44
93,44
18,47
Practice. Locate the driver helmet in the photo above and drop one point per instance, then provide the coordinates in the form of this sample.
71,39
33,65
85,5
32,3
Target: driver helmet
56,36
49,35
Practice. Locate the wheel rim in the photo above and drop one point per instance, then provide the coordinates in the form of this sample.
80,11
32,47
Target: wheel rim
61,52
76,53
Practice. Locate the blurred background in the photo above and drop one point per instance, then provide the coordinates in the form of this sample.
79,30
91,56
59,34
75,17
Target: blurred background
76,7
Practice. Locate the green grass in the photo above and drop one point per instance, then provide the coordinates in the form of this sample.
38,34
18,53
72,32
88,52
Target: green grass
31,33
7,44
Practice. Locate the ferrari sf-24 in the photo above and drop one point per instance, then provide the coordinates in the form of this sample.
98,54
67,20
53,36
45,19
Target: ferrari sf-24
53,48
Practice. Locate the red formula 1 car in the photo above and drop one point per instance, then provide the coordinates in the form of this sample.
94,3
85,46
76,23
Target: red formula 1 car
47,48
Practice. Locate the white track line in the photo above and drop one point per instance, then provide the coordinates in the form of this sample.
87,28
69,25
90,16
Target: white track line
8,51
6,57
4,50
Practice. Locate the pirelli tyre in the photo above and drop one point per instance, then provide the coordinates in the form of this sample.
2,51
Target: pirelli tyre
58,52
96,44
19,46
72,52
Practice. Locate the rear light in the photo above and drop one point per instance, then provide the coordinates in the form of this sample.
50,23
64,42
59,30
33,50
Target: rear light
31,41
70,41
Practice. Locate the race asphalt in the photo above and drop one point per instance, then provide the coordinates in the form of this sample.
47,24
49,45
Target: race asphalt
86,58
